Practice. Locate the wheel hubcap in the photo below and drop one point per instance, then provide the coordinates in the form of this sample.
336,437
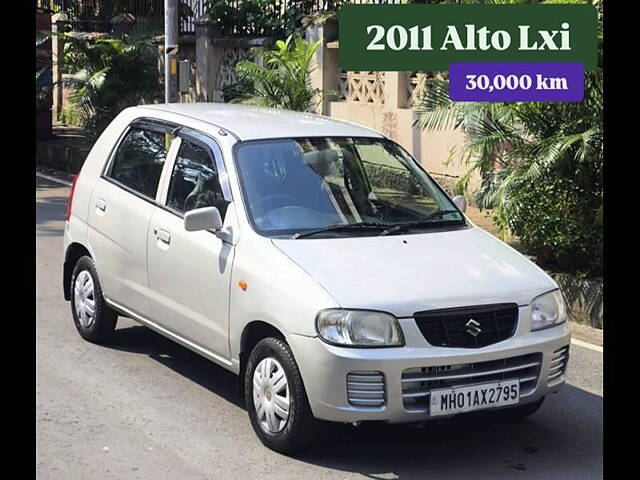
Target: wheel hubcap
84,298
271,395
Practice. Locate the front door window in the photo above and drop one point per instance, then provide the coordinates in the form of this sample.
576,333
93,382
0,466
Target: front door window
194,181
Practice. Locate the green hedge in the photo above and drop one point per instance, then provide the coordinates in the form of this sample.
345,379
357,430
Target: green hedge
556,220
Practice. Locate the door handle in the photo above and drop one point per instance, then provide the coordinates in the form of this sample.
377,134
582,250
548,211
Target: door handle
101,204
163,235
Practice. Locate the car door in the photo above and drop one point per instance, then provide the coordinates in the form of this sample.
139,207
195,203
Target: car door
189,272
120,210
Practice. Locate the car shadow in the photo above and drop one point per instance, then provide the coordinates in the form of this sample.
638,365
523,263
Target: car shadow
548,444
142,340
563,439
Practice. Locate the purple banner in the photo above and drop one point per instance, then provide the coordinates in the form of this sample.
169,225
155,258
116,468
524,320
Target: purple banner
516,82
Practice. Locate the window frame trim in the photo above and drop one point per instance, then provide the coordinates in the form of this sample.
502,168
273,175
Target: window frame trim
152,124
204,140
212,147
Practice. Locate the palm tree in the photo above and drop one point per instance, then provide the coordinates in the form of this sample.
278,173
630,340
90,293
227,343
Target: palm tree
280,77
541,165
518,147
110,74
521,140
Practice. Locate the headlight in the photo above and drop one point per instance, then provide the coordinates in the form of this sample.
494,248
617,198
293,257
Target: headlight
360,328
547,310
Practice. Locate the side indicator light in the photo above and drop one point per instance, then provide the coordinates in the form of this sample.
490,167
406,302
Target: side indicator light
243,285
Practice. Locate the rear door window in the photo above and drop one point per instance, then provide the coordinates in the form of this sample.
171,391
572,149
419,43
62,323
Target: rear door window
139,160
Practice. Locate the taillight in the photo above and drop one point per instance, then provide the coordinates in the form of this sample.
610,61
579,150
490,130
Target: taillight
73,188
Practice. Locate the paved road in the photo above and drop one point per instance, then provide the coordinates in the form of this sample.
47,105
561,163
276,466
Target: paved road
144,407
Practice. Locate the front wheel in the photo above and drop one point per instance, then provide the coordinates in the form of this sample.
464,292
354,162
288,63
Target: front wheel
276,399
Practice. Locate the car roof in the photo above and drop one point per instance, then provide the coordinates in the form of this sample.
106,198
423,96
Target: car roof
251,123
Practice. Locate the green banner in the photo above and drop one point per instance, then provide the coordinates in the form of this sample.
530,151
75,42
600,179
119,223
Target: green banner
430,37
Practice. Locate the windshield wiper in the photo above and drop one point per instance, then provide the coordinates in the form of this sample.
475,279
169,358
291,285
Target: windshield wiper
346,227
424,222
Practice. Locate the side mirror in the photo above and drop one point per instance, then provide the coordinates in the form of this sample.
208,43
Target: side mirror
460,202
207,218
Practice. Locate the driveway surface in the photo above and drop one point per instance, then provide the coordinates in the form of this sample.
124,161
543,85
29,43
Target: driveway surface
144,407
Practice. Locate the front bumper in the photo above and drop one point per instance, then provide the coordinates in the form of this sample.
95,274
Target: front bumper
324,369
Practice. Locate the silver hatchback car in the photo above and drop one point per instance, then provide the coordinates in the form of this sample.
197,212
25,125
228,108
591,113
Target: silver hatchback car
314,258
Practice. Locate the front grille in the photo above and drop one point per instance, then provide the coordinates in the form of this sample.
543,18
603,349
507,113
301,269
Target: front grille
468,327
365,389
417,383
558,366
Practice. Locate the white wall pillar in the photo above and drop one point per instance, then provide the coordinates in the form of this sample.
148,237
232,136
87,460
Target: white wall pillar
207,58
326,70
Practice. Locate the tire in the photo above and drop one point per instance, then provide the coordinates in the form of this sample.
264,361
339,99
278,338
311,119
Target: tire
86,291
272,356
520,412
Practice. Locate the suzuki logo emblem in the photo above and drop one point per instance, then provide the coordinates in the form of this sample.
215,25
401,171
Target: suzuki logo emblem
473,327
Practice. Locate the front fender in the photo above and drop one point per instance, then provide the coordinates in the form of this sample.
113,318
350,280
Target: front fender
278,292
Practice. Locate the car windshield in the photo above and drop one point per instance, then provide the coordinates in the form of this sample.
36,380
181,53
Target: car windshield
298,185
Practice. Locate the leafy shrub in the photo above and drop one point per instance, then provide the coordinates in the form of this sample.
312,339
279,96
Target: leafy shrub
554,219
234,92
111,74
280,77
541,166
71,116
258,17
43,72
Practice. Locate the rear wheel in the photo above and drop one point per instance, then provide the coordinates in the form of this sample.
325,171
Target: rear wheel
276,399
93,318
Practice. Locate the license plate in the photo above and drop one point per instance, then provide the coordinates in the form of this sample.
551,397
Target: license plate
447,401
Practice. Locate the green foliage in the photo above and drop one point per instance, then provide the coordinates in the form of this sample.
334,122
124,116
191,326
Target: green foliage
518,148
70,115
473,2
110,75
280,77
554,219
541,166
258,17
43,71
43,87
236,92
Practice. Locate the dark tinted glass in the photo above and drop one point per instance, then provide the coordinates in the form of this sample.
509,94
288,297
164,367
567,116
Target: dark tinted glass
194,181
139,160
298,184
